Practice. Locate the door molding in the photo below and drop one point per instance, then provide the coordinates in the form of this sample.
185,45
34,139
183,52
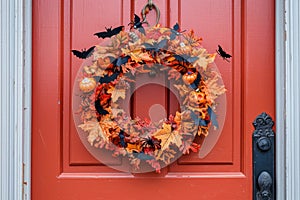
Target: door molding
15,102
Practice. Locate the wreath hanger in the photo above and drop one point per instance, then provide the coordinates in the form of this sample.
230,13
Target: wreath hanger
148,7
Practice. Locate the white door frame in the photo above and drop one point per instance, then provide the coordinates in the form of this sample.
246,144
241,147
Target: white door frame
289,86
15,101
280,101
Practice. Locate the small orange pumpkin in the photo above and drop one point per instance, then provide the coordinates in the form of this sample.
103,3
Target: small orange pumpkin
87,84
189,77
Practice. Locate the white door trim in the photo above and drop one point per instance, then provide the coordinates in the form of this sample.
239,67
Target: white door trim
292,103
15,100
280,122
287,99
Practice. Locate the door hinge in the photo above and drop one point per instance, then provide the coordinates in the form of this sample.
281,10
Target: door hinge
263,158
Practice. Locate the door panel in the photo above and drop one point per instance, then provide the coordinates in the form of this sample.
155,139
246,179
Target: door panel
62,168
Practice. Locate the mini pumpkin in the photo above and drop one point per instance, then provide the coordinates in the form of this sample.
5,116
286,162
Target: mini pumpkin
197,97
87,84
189,77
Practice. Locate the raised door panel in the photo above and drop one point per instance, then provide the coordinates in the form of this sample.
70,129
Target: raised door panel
204,18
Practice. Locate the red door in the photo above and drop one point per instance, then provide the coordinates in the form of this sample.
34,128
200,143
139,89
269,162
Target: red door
61,166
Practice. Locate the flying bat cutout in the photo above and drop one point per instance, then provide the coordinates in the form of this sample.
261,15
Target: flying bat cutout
84,53
181,62
156,47
175,31
137,24
106,78
99,108
116,63
185,58
223,54
109,32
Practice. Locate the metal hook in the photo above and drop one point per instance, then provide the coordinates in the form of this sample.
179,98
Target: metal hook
150,5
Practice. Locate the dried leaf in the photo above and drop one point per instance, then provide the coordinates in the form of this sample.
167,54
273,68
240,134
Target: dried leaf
133,147
214,89
94,130
166,156
128,68
192,40
137,55
168,137
116,111
183,90
123,37
204,58
189,146
117,93
155,164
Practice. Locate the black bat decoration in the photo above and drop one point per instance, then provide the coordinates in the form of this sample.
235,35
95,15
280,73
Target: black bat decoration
175,31
195,84
120,61
99,108
84,53
106,78
137,24
223,54
185,58
109,32
183,62
197,119
213,117
156,47
122,139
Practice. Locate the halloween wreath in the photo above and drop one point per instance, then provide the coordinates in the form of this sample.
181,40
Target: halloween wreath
104,81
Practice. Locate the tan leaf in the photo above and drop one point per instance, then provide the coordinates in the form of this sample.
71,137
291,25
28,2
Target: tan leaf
168,137
204,58
135,55
166,156
145,56
214,88
183,90
116,111
116,94
94,130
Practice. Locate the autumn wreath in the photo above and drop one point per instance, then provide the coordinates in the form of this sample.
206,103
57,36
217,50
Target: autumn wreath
105,81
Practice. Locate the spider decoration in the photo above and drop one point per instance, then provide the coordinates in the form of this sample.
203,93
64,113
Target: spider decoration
150,144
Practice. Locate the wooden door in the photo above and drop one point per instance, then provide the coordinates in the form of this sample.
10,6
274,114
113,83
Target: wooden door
61,166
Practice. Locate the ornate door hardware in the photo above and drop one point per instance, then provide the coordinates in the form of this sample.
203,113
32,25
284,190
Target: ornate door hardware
263,158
